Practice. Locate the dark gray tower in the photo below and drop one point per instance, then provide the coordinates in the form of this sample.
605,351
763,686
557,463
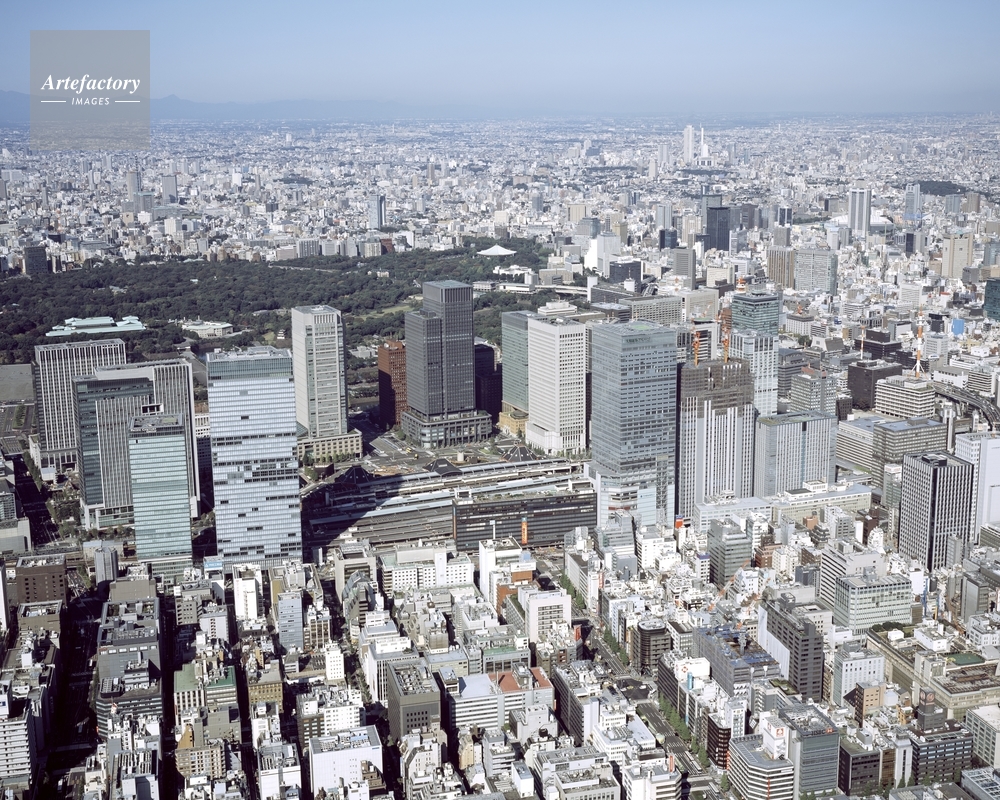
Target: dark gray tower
935,507
441,369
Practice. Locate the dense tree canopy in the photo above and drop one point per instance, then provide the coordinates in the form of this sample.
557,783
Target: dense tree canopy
248,295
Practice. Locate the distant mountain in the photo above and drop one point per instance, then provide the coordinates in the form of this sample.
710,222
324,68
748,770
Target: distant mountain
173,107
14,108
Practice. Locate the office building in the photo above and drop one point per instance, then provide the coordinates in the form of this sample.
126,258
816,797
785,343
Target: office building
863,377
440,370
935,506
36,261
816,271
991,303
793,448
157,456
984,725
854,665
650,640
344,758
168,189
557,392
894,439
55,367
813,747
793,633
689,145
514,333
730,548
736,659
686,265
859,211
813,391
867,599
376,212
844,556
469,701
913,204
578,687
982,450
251,403
18,737
760,352
132,185
905,397
715,433
106,402
391,383
956,254
781,264
663,309
757,772
633,418
319,369
942,748
412,699
652,781
756,312
40,579
718,224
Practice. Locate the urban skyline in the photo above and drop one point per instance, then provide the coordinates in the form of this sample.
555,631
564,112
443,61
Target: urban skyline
460,402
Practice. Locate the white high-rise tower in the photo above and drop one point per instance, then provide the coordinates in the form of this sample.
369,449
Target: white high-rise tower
251,407
319,368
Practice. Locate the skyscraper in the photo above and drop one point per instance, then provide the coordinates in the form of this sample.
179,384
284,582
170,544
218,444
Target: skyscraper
376,211
816,271
685,265
557,390
859,211
55,367
157,457
168,185
132,184
793,448
913,204
440,369
935,507
105,403
36,261
715,433
991,303
514,343
689,151
251,406
319,367
717,227
760,351
633,421
391,383
756,312
982,450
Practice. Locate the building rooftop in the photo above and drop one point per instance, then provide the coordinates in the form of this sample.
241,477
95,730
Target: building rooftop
354,739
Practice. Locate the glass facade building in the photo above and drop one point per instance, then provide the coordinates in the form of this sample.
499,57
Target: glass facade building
251,405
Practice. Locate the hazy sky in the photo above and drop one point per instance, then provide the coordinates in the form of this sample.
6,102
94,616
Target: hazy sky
555,57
